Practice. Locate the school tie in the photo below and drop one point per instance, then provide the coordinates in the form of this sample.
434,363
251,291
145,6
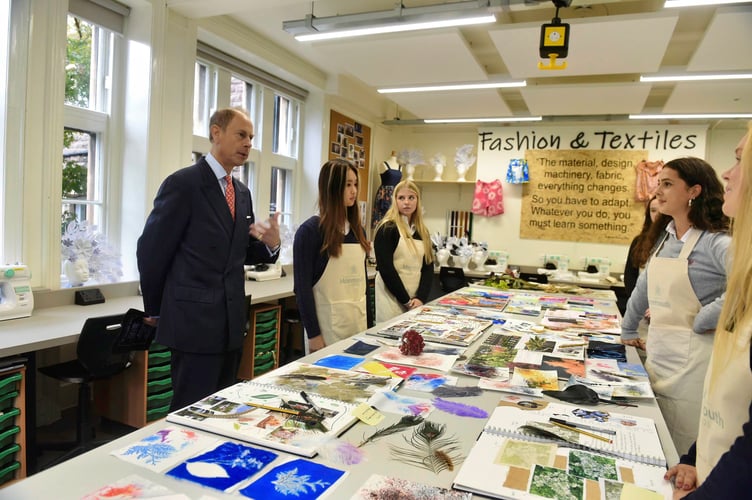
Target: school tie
230,195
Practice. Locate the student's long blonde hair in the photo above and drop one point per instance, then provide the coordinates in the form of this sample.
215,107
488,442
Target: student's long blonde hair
736,315
393,215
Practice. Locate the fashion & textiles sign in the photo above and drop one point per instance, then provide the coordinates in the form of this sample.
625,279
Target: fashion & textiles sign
583,179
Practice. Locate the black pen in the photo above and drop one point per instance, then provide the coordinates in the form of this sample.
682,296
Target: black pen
310,402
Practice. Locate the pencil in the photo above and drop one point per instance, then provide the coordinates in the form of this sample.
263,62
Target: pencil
584,433
274,408
583,426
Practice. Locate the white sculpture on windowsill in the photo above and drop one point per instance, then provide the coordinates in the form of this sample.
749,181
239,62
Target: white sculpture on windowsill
77,272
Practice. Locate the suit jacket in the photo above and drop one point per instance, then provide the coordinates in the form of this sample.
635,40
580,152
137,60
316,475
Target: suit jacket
190,259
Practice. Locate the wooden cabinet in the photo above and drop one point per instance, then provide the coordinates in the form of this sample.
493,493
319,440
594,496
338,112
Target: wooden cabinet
261,345
12,425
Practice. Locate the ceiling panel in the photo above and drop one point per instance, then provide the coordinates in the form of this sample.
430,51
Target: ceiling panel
710,97
586,99
597,46
406,60
723,46
465,104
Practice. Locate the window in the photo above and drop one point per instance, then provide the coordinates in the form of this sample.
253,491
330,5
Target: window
88,87
285,125
204,98
241,95
4,37
281,195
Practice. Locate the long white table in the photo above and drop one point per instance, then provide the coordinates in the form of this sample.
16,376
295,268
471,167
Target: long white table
95,469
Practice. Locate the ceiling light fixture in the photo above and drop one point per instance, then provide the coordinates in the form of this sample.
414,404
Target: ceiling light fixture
485,120
465,86
695,3
399,19
697,77
698,116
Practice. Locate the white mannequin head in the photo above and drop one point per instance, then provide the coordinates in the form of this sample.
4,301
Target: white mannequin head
77,271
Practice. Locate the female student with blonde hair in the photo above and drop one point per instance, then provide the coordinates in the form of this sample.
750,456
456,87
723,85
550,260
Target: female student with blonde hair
723,451
403,255
329,260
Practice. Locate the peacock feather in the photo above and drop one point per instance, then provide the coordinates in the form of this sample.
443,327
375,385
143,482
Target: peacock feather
429,449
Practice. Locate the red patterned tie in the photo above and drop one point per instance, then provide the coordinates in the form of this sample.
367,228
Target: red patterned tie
230,195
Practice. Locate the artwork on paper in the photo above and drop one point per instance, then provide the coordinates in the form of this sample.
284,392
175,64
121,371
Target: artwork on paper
165,448
427,382
547,380
433,360
379,487
489,372
339,385
565,367
339,361
391,402
497,351
387,369
525,454
550,482
507,386
224,466
133,486
591,466
297,479
616,490
361,348
476,298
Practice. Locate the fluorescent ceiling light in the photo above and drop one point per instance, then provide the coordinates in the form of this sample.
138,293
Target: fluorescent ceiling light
696,77
694,3
699,116
464,13
485,120
466,86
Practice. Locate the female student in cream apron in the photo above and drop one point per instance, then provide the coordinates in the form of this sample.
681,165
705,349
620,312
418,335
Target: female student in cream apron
677,358
340,295
408,262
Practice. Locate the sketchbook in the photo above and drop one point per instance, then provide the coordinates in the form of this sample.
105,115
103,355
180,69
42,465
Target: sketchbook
632,438
269,415
532,470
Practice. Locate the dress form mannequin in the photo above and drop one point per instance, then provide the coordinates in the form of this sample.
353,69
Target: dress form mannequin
390,175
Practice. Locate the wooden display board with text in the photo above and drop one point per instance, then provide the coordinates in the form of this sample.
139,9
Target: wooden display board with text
582,195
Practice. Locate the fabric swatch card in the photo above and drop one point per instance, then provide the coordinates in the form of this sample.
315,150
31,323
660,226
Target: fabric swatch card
299,479
165,448
134,486
224,466
361,348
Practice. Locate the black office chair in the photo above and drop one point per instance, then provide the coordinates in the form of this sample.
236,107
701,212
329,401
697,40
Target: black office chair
452,278
99,356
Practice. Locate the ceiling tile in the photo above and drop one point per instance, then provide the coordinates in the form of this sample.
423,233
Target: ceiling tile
719,50
459,104
406,60
597,46
710,97
586,99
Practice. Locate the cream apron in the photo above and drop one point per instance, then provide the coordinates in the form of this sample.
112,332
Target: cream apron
725,402
340,295
408,265
677,358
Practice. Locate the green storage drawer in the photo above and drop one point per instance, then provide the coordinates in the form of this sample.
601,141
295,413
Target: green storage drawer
262,317
265,337
9,437
9,473
159,358
265,326
263,357
267,346
157,372
8,418
8,454
10,383
158,385
158,400
8,400
263,368
157,413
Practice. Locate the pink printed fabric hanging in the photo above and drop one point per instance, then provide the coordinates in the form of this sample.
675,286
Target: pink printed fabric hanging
647,179
488,199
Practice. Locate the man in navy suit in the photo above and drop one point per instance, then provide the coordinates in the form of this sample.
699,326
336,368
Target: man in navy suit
191,256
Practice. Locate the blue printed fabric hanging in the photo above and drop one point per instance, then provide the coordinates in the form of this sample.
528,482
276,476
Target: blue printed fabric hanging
517,172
